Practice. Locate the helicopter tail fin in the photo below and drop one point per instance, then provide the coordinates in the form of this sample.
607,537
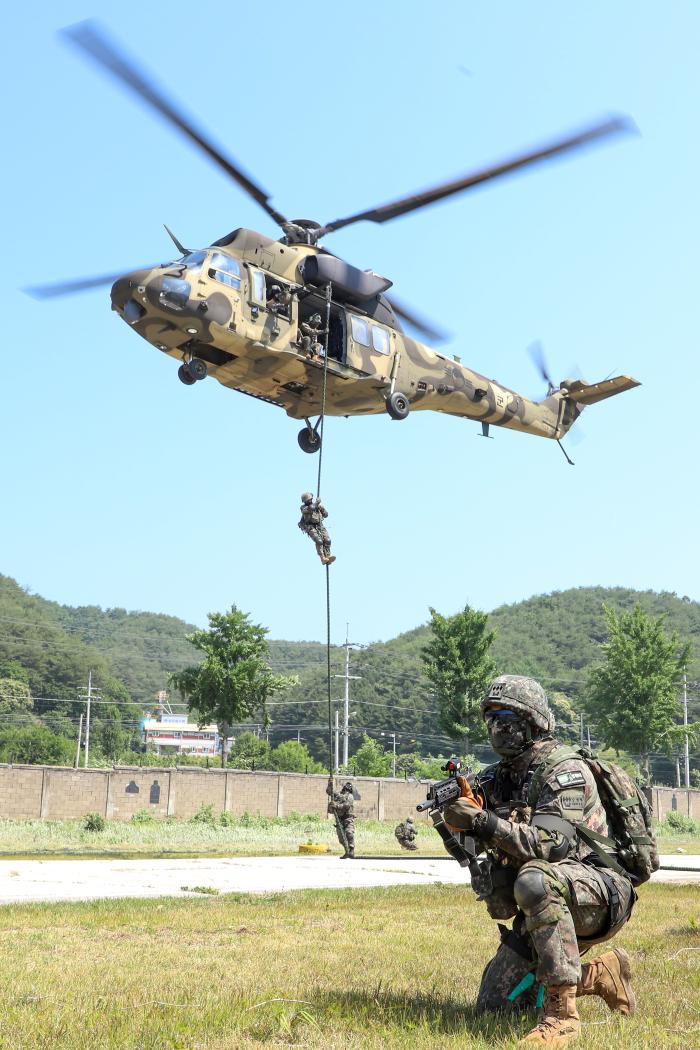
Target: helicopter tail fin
590,393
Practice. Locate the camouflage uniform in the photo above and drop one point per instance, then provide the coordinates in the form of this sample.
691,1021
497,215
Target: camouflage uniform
309,341
406,833
312,514
550,882
342,805
278,301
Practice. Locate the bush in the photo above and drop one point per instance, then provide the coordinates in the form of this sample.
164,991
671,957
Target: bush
143,816
94,822
227,820
204,815
685,825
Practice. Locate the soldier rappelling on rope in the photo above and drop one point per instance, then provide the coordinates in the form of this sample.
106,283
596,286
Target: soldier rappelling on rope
311,522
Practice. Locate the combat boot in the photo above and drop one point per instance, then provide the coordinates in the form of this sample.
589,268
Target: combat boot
561,1022
610,977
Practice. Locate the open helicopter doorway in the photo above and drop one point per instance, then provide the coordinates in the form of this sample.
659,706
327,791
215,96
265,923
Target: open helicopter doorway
336,340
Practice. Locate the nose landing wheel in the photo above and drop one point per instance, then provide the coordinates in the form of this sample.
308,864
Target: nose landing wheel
309,439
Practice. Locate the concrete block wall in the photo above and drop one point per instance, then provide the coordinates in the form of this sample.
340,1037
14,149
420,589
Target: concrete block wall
675,800
57,793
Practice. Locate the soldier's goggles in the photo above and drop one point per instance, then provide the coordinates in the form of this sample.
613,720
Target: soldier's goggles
500,712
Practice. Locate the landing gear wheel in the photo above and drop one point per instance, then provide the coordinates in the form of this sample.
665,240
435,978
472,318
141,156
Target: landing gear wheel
397,405
185,376
309,440
198,368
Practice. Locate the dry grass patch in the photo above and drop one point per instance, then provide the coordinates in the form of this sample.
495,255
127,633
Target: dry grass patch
377,969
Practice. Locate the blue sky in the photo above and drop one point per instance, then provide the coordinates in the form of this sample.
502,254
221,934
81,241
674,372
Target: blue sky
124,488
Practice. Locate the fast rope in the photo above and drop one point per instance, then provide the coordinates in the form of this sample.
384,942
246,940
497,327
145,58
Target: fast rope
319,431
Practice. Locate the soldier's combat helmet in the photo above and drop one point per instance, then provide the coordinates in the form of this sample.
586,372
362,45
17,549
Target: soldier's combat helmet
306,497
520,694
347,786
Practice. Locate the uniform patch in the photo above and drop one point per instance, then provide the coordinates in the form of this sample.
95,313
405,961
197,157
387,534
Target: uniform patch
571,779
573,800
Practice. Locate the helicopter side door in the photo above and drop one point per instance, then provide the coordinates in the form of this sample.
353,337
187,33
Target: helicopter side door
371,346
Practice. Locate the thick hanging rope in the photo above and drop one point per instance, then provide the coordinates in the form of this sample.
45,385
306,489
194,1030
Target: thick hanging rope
319,431
328,669
321,418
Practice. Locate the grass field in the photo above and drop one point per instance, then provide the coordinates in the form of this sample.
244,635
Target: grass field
378,969
252,836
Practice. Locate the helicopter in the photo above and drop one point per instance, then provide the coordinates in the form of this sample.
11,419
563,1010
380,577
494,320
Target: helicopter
285,321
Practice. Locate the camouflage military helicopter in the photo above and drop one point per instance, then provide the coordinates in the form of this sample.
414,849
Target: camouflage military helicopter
287,322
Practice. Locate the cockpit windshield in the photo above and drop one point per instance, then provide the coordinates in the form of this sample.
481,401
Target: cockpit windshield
193,260
190,261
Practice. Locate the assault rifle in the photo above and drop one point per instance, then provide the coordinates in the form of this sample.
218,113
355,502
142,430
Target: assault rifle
461,847
446,791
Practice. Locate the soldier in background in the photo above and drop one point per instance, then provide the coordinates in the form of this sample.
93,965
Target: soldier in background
278,300
310,343
311,522
342,805
540,872
406,833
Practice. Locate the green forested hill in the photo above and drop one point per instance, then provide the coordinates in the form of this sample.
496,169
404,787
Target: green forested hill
554,637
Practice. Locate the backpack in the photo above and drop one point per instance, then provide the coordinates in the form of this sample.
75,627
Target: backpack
632,849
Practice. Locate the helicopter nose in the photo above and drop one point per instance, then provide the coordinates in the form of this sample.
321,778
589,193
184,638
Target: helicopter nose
125,287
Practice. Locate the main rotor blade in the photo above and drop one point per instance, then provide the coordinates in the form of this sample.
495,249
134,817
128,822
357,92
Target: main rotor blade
421,324
613,126
81,284
94,43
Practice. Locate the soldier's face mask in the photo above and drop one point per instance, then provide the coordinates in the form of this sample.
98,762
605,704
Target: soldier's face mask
508,731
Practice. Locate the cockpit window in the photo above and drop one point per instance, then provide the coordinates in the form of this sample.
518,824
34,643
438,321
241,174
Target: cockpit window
193,260
380,339
225,269
360,330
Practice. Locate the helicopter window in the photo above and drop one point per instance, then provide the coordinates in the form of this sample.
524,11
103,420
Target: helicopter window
380,339
360,330
258,286
225,269
193,260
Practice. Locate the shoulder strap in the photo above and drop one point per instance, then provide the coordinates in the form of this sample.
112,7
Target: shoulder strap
546,768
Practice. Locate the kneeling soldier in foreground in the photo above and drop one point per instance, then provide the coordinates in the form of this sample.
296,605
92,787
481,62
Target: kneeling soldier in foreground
550,863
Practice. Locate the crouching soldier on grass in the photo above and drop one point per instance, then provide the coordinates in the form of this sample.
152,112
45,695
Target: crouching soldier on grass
540,871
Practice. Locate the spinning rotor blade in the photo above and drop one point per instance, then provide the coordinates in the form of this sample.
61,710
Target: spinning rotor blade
81,284
536,352
393,210
94,43
425,327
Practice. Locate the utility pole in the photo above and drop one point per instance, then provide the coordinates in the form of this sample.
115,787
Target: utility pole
581,730
80,739
89,698
346,697
685,723
337,743
393,761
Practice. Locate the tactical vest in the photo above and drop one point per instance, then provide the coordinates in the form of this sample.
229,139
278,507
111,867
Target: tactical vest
632,849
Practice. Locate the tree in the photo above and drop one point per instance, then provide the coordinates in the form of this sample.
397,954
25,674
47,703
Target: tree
249,752
633,696
34,745
293,757
14,695
370,759
457,662
233,681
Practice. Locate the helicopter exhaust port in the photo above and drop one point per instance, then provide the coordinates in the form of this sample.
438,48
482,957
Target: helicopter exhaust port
397,405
